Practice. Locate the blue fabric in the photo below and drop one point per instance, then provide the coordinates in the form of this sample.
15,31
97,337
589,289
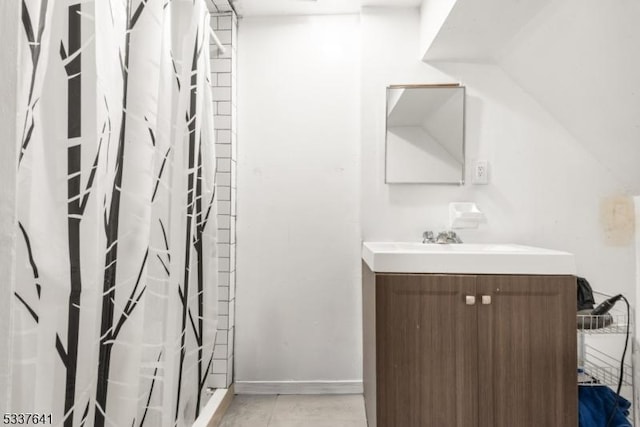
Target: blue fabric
596,404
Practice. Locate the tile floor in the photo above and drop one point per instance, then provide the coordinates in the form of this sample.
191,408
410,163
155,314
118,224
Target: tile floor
296,411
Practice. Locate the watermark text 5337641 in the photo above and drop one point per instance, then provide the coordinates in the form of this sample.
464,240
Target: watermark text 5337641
26,418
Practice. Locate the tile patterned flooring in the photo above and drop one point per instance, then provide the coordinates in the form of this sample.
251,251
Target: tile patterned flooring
296,411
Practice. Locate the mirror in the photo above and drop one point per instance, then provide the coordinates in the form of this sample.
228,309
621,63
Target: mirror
425,134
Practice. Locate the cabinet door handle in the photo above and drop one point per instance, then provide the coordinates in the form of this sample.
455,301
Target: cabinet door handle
470,299
486,299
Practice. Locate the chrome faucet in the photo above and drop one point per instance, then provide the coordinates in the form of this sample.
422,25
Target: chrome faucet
448,237
427,237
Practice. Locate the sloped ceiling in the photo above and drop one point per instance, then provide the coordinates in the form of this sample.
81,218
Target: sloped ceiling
312,7
475,30
580,60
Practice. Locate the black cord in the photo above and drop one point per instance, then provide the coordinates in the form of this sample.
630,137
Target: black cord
624,352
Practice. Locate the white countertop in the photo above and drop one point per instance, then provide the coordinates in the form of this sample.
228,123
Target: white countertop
465,258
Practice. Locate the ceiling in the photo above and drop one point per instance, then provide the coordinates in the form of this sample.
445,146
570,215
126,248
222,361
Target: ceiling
312,7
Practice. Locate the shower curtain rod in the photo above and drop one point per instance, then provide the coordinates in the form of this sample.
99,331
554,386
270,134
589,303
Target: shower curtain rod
217,40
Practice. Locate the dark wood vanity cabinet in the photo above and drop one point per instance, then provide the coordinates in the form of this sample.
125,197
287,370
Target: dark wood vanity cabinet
469,351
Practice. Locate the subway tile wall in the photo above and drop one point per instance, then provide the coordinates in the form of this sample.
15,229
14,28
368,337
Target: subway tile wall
223,81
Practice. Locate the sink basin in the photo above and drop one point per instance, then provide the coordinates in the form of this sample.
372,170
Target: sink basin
465,258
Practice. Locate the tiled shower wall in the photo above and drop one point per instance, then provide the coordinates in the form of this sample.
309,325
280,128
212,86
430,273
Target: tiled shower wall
223,80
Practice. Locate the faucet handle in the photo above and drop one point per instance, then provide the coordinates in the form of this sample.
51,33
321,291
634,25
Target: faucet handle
452,236
427,237
448,237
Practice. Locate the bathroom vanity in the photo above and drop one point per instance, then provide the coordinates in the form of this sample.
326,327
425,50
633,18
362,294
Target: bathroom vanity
469,336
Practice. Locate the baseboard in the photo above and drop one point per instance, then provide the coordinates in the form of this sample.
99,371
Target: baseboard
298,387
212,413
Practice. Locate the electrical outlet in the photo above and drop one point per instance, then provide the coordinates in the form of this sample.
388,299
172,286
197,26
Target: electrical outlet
480,172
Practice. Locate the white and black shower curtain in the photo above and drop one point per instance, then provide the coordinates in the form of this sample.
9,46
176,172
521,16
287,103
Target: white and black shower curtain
115,295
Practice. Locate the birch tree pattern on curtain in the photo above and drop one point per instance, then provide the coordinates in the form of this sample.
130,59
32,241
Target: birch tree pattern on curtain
115,302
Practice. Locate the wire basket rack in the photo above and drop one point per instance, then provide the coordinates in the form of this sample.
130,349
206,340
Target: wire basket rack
597,365
606,324
597,368
614,322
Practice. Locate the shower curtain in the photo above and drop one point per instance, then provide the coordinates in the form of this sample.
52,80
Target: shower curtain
115,293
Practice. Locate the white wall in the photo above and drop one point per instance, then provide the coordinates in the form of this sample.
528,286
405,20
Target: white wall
298,314
546,189
390,51
578,59
298,310
9,19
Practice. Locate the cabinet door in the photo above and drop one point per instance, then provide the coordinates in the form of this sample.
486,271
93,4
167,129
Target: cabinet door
426,351
527,351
